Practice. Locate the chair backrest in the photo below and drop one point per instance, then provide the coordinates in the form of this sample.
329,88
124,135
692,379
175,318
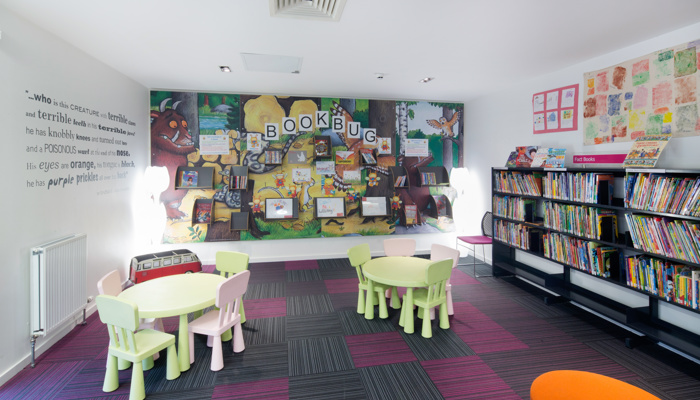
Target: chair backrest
436,277
487,224
122,319
229,295
440,252
110,284
231,262
405,247
359,255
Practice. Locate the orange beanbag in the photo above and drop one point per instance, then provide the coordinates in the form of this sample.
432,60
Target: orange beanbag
579,385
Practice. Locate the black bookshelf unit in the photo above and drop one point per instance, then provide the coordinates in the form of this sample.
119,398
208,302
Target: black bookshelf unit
622,243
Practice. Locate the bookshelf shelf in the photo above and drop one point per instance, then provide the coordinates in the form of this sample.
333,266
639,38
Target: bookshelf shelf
605,225
433,176
203,212
238,178
239,221
399,176
194,178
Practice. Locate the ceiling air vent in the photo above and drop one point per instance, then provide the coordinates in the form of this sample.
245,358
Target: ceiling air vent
320,10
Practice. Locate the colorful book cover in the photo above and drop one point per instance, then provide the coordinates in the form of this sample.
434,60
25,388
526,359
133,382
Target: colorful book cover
539,158
510,163
411,214
203,213
188,179
343,157
645,151
525,155
555,158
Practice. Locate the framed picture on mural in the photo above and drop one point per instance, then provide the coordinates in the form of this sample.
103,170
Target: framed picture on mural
281,208
330,207
375,206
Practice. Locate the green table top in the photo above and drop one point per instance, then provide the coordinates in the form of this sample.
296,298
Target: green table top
397,271
174,295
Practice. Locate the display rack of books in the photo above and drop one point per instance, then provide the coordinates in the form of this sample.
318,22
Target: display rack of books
238,177
273,157
203,211
239,221
322,146
439,206
368,157
615,235
194,178
433,176
399,176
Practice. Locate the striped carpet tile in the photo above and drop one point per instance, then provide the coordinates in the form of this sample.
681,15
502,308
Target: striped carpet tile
49,380
405,381
208,268
335,263
257,362
305,305
467,378
378,349
344,301
315,325
344,385
187,394
266,273
270,389
265,290
318,355
302,264
356,324
265,308
198,376
265,330
306,288
444,344
587,330
480,333
633,359
341,285
303,275
461,278
676,387
539,308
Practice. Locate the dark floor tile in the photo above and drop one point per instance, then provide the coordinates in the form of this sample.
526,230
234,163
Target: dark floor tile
257,362
398,381
318,355
345,385
308,326
311,304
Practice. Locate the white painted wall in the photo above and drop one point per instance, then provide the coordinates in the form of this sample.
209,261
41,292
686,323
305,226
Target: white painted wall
495,124
33,61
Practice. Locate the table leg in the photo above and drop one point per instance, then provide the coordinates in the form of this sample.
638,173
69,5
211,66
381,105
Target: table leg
369,302
183,345
408,311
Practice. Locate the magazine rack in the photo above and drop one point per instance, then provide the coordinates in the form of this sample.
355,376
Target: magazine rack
194,178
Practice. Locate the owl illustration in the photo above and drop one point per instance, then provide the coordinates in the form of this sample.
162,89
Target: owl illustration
444,125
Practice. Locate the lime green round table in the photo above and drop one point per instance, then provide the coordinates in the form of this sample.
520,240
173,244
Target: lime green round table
175,295
408,272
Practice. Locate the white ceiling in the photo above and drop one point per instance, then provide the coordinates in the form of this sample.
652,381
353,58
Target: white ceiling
471,47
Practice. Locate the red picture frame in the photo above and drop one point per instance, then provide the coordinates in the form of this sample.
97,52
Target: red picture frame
555,110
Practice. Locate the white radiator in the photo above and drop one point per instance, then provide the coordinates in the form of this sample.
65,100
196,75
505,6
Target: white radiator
58,283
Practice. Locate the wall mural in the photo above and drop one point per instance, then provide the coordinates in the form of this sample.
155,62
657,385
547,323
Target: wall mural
388,161
650,95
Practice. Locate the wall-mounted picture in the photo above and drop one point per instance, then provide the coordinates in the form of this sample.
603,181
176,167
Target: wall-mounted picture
330,207
374,206
281,208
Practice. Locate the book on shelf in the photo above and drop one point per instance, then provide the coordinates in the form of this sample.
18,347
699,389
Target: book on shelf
645,151
239,182
555,158
368,156
510,162
524,156
202,213
428,178
322,146
411,211
188,178
273,156
400,181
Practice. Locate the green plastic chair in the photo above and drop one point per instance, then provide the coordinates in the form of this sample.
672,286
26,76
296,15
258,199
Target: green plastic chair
230,263
359,255
433,295
122,319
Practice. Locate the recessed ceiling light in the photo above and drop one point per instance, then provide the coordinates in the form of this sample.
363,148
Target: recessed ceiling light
225,68
426,80
379,75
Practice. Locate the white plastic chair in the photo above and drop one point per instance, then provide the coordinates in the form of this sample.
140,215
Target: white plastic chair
401,247
111,284
229,295
440,252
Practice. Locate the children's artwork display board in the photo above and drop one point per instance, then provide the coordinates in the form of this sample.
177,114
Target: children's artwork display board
650,95
555,110
303,167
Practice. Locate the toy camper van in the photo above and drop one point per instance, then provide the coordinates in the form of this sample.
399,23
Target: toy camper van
155,265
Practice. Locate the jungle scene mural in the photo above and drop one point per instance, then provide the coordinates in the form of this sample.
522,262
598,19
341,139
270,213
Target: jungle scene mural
384,165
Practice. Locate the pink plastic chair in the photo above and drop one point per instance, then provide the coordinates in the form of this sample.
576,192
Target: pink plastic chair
111,284
401,247
479,240
439,252
229,295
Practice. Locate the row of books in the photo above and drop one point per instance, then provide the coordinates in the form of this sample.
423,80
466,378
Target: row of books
428,178
591,257
590,222
518,183
586,187
514,208
679,239
516,235
273,157
677,283
660,193
239,182
368,156
400,181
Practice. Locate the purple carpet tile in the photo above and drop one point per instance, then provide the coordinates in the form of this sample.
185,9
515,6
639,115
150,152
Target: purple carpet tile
480,333
265,308
87,384
341,285
379,349
209,268
47,380
467,378
303,264
460,278
271,389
